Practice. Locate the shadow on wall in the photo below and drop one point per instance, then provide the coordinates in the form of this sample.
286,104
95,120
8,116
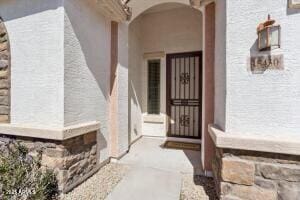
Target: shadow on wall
94,40
87,38
207,183
87,68
14,9
261,61
101,143
195,160
135,76
253,53
133,99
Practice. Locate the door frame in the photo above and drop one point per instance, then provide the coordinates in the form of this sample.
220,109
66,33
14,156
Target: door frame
168,90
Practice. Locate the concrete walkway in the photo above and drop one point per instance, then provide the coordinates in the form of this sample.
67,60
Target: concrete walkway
148,183
156,173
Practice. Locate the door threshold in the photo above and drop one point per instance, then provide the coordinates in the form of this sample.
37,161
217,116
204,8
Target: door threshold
187,140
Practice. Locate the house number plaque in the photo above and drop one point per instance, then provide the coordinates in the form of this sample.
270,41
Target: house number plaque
294,3
269,62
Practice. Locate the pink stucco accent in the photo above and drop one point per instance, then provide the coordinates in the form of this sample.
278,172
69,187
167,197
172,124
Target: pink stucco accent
209,84
113,91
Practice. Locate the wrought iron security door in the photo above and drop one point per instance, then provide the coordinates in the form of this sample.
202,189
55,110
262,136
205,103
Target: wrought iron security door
184,94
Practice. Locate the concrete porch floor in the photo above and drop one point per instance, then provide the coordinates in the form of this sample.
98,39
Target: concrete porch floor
148,152
156,172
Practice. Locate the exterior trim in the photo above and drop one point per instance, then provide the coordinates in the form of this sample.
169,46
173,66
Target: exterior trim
159,54
51,134
281,144
208,98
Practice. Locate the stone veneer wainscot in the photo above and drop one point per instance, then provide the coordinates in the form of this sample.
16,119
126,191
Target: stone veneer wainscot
254,174
72,160
4,74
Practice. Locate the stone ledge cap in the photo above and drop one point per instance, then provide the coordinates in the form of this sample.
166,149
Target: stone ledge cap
49,133
281,144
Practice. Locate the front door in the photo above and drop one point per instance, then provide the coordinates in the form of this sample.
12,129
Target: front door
184,94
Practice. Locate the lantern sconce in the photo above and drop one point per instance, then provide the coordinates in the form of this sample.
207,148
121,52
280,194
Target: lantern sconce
268,35
196,3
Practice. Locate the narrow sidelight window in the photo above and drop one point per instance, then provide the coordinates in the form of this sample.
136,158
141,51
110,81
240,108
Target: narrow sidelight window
154,87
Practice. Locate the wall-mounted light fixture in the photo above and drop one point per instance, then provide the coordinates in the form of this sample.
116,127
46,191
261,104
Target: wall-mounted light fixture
268,35
196,3
294,4
116,10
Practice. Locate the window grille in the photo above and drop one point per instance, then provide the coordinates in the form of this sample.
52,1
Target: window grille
154,87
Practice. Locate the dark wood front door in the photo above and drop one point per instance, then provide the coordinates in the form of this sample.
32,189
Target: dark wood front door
184,94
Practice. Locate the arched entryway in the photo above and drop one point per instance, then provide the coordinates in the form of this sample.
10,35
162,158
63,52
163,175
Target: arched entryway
158,30
161,106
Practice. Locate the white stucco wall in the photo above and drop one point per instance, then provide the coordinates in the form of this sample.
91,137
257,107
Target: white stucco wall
267,103
135,79
123,87
36,39
61,66
87,67
169,31
172,31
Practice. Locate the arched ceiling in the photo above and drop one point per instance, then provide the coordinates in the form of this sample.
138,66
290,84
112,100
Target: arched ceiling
164,7
139,6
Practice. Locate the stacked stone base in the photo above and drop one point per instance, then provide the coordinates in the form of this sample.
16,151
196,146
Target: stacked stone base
249,175
4,74
71,160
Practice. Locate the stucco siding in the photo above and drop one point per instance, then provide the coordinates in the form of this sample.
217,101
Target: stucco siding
135,79
267,103
122,71
87,67
35,29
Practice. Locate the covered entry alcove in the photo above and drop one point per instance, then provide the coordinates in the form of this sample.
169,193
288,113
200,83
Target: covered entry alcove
158,30
163,39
